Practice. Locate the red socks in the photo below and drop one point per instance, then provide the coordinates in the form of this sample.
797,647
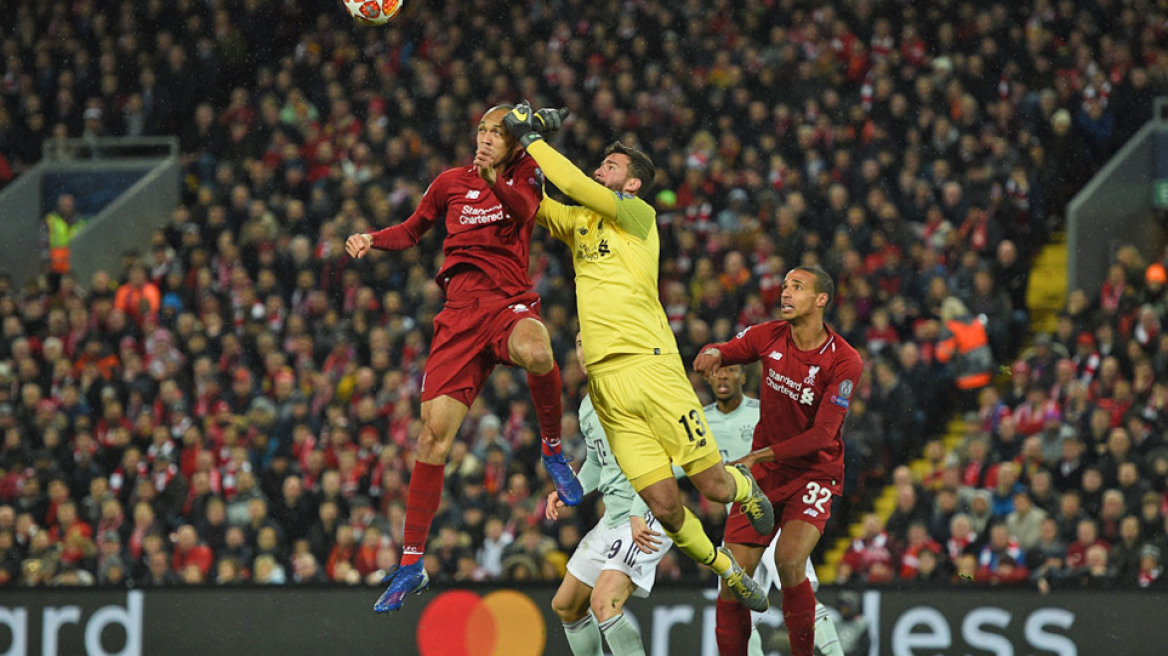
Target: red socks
733,622
799,614
546,394
421,504
732,630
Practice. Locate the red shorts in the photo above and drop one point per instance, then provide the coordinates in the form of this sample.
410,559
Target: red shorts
805,499
469,340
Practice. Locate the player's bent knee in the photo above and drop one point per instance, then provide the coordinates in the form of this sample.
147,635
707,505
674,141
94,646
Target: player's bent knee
718,488
669,512
534,356
567,611
540,360
606,606
531,348
710,477
792,572
431,445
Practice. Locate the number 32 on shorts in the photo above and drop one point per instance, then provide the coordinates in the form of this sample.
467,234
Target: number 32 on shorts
816,496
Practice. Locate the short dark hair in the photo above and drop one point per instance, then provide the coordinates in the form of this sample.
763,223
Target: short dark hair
823,282
640,166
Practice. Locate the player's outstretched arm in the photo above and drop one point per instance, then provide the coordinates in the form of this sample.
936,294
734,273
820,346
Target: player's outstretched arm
557,168
407,233
708,362
356,246
741,349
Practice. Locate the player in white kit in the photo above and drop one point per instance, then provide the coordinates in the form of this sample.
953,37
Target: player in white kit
618,558
732,418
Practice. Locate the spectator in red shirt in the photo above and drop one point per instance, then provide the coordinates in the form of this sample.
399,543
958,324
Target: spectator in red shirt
1087,534
1033,415
870,557
74,535
977,470
365,558
918,541
342,551
189,551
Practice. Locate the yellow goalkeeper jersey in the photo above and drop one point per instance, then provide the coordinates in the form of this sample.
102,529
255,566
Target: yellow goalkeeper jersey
615,251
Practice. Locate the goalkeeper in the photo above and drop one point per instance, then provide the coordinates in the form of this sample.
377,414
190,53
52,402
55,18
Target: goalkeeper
636,381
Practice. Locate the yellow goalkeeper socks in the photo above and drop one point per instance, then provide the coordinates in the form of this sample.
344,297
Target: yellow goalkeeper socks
693,542
742,484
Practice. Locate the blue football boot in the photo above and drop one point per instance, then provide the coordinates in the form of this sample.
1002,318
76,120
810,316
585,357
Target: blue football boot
402,581
567,485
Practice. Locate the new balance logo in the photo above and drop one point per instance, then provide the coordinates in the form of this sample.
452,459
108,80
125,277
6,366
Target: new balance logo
776,356
811,512
519,307
473,194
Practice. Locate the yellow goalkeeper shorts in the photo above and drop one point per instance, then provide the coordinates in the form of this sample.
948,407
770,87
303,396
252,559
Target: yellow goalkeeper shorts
652,417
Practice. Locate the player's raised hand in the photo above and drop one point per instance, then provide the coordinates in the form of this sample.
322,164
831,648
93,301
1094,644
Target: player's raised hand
484,161
708,362
548,121
553,505
520,122
646,539
356,246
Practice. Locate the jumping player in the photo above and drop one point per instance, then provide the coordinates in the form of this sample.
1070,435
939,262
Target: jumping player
809,373
637,382
491,316
616,559
732,418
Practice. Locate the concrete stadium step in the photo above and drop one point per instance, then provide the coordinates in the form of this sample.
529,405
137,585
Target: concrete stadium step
1047,292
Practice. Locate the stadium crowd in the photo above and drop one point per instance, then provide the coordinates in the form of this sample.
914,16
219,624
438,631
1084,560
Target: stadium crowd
239,403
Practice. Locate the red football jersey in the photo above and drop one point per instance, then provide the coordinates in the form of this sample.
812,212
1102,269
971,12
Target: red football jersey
488,228
804,399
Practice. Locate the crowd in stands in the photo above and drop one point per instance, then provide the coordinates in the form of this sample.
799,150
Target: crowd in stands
240,403
1062,478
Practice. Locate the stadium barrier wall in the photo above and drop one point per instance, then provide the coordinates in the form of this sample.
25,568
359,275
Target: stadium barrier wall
125,187
483,620
1116,207
20,226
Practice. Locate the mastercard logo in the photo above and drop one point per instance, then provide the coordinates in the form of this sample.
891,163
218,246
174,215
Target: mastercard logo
461,623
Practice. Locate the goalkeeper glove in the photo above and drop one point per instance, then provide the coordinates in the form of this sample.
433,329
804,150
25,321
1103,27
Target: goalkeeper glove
520,123
548,120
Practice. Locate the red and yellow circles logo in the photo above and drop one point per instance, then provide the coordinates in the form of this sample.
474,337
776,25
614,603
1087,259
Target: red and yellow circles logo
390,8
460,623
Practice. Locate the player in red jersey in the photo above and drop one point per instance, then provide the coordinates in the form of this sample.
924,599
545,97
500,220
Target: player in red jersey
491,316
809,373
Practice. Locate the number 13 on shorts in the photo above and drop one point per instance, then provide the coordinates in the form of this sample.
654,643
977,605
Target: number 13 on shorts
695,427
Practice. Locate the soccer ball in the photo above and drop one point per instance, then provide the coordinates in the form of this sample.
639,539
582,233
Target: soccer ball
372,12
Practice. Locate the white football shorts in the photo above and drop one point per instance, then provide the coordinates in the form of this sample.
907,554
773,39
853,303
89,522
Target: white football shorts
606,548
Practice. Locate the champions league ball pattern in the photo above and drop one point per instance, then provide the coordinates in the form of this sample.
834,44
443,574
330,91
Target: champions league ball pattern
373,12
